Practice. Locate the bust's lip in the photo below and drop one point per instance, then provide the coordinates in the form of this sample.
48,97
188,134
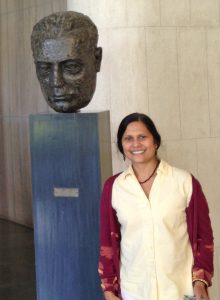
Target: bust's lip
65,98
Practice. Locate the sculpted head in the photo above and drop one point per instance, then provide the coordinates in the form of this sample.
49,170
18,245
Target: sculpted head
67,58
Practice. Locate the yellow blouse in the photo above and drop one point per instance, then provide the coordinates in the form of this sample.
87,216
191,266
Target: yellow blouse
156,255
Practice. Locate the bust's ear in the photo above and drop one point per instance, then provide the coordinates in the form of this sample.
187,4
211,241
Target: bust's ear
98,58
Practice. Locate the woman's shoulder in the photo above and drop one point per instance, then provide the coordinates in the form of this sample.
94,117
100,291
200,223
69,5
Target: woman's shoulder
174,171
110,180
118,176
181,173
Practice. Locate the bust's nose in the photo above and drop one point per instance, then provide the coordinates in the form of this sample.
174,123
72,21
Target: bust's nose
56,78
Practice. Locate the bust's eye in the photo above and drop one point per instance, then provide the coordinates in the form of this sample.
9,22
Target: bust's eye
43,68
72,67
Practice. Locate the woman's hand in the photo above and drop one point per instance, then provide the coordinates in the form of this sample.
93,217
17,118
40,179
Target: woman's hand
200,290
110,296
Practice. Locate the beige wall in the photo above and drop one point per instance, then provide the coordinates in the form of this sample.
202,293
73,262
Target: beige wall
162,57
20,95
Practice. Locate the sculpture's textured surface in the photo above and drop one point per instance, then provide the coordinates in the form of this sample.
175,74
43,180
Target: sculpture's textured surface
67,58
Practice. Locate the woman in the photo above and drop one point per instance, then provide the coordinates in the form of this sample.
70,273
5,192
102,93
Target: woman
155,232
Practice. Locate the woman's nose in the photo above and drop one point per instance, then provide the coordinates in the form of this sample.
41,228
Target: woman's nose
136,142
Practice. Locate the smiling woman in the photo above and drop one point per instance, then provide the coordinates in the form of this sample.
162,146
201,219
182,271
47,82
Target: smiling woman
155,231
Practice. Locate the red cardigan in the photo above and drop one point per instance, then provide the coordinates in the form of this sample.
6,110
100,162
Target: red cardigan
199,230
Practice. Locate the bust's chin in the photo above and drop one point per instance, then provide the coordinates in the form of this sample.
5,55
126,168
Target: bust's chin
67,106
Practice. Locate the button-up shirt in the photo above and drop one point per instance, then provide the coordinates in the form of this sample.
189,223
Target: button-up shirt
156,255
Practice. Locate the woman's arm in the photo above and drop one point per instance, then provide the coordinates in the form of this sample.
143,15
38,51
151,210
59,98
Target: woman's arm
200,234
110,296
107,271
200,290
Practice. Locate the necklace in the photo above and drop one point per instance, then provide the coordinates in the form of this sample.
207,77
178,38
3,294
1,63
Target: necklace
141,182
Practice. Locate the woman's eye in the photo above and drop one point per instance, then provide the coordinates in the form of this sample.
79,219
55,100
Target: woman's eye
128,138
142,137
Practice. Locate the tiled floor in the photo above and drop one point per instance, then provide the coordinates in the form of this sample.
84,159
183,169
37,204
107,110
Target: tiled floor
17,271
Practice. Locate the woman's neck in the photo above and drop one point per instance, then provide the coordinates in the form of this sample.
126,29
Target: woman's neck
144,170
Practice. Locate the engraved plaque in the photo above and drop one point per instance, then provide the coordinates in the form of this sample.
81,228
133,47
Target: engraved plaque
66,192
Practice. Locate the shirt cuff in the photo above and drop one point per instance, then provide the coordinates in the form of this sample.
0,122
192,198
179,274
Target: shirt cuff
201,280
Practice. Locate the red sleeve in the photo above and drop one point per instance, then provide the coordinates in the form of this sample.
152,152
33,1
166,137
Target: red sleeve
200,234
106,269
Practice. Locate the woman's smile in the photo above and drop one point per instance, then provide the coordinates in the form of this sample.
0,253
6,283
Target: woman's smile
135,152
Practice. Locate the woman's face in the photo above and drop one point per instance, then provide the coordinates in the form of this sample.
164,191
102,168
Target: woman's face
138,143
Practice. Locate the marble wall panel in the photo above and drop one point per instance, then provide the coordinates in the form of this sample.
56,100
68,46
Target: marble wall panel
213,37
128,76
209,174
107,13
17,173
9,180
104,13
175,12
182,154
43,10
204,12
59,5
3,203
11,6
143,12
163,83
41,3
80,6
21,74
208,164
14,5
29,3
20,25
12,63
4,101
3,6
192,59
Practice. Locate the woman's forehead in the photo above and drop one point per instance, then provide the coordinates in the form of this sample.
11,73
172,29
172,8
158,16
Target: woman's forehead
136,127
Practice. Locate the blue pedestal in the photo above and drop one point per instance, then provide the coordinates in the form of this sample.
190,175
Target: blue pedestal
71,157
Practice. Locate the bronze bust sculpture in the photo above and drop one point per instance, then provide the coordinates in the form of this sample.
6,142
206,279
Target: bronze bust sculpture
67,58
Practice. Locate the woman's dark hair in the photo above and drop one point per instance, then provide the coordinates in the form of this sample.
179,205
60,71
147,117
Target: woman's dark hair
133,118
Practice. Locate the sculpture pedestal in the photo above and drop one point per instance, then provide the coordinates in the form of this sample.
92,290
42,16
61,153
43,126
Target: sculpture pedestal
71,157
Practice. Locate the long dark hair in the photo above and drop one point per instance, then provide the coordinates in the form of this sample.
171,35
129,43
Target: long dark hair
133,118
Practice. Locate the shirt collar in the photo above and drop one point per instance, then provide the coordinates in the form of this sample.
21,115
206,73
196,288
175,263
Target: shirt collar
163,168
128,172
